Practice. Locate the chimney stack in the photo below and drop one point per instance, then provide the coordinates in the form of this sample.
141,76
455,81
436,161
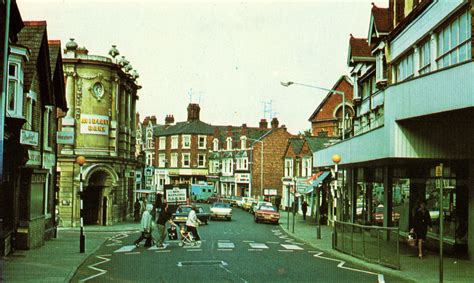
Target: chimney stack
263,124
169,119
274,123
193,112
153,120
244,130
216,132
229,131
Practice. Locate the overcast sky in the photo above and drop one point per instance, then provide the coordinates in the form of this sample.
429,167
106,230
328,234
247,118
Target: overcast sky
230,55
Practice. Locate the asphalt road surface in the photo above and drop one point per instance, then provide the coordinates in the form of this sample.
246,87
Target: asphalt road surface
231,251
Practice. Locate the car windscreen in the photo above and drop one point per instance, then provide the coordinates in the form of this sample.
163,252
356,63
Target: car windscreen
267,208
221,205
185,209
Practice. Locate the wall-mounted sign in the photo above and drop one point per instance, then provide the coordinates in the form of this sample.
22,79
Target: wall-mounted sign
28,137
270,192
94,124
49,160
34,157
65,137
242,178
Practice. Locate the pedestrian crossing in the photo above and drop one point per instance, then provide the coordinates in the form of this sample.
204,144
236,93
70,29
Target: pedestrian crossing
220,245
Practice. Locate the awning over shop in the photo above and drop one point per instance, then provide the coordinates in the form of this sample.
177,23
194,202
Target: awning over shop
321,178
145,191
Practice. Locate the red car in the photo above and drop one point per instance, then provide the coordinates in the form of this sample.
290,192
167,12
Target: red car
267,213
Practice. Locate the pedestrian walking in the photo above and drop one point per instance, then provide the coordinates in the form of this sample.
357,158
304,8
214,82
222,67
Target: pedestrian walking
145,228
136,210
304,208
163,217
192,223
422,221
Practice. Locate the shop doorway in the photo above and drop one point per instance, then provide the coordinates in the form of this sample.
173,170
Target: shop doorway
92,199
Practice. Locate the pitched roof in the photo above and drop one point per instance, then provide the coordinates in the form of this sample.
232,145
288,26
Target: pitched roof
296,144
382,19
336,85
318,143
187,127
57,74
34,36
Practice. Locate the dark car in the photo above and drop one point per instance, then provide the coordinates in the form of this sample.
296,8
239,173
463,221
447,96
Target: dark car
181,214
267,213
213,198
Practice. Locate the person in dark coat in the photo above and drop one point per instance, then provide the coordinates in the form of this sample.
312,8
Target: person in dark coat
136,211
304,208
422,221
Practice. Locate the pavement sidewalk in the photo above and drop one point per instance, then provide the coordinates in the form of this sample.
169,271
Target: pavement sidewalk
412,268
59,258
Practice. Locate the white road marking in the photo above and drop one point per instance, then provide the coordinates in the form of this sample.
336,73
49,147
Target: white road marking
202,262
292,247
272,242
248,241
125,249
93,267
380,277
163,251
116,239
255,250
195,250
258,245
313,252
132,253
288,251
154,247
225,245
225,250
223,240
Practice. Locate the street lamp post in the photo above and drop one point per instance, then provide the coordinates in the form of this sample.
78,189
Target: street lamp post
336,158
81,160
287,84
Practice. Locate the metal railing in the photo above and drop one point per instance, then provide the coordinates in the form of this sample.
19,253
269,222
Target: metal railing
371,243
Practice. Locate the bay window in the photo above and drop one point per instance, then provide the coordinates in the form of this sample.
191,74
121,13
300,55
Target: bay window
454,41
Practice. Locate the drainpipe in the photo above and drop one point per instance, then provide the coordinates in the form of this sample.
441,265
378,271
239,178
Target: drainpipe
4,85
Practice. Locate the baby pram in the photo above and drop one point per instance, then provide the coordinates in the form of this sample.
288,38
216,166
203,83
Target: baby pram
187,238
172,233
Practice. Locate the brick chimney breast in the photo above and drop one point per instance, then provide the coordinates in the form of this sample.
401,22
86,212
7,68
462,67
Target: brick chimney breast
263,124
193,112
275,123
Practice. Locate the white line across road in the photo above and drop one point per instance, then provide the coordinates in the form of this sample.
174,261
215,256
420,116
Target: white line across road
341,264
125,249
258,246
292,247
225,245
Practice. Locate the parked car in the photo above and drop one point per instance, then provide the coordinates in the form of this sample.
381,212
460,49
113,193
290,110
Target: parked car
378,215
267,213
255,206
213,198
221,210
234,199
247,203
181,214
240,201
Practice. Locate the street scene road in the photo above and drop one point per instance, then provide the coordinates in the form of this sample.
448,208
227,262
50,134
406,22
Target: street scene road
231,251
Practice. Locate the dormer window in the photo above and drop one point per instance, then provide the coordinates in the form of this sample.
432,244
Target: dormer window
15,90
229,143
243,142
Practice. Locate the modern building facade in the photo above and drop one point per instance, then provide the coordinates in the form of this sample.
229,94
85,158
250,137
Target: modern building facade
99,125
415,112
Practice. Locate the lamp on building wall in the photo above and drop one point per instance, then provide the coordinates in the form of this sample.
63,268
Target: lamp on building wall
81,160
287,84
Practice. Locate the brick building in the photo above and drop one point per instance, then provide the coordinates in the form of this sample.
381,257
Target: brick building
326,120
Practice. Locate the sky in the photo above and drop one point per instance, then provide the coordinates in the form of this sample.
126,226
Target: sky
228,56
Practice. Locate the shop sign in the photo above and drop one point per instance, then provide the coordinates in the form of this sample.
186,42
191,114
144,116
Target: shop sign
176,195
49,160
302,187
34,157
227,179
65,137
28,137
270,192
161,172
242,178
94,124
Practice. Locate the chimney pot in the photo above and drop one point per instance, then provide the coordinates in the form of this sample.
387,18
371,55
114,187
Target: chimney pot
275,123
263,124
193,112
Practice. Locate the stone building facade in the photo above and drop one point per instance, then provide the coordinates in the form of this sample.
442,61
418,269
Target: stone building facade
99,125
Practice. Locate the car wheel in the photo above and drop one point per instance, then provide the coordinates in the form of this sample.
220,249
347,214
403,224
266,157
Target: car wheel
256,220
205,222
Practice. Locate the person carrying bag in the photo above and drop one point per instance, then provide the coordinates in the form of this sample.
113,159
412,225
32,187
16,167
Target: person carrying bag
145,227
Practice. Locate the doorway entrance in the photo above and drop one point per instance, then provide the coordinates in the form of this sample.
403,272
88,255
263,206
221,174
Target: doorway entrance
92,198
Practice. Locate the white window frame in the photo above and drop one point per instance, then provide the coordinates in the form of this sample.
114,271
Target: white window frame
162,143
149,159
229,143
174,160
31,100
186,157
161,160
425,57
405,67
204,144
215,145
243,142
17,81
288,167
174,142
307,165
46,127
449,52
203,164
186,141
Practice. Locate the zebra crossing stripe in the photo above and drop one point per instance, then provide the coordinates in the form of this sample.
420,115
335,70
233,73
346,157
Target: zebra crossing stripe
125,249
258,246
292,247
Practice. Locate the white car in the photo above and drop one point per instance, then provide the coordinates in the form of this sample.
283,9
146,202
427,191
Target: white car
221,210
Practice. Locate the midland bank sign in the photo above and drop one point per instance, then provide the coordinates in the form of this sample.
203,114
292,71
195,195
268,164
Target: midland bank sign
94,124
